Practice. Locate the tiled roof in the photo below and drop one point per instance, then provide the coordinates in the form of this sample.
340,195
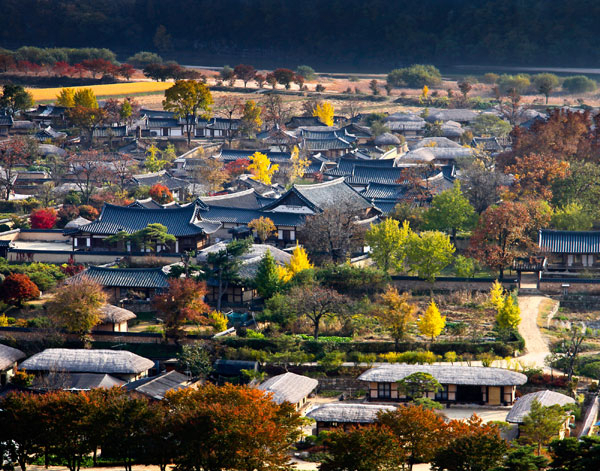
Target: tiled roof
162,123
224,124
345,166
106,131
127,277
156,387
244,216
230,155
569,241
6,120
112,219
384,191
147,203
162,177
298,121
247,199
316,145
364,175
156,113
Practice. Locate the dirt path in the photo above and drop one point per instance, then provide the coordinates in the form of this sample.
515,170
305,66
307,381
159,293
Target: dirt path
535,345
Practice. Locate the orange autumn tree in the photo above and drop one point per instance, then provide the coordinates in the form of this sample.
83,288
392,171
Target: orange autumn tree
183,301
535,173
161,194
18,287
232,427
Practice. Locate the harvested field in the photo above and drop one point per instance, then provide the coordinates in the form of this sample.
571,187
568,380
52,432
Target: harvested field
109,90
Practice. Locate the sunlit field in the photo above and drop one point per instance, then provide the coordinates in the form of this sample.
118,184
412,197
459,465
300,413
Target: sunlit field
108,90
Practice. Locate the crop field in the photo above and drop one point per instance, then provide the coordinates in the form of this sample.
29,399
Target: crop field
108,90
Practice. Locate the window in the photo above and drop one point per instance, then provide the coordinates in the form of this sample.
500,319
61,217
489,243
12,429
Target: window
442,394
384,390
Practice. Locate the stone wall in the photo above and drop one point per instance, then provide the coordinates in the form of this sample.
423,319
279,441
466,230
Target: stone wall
447,284
556,287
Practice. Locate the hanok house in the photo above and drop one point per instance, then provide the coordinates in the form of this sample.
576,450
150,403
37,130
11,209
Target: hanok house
460,384
546,398
176,186
6,123
345,416
114,318
123,365
121,283
8,362
569,251
290,387
191,233
156,387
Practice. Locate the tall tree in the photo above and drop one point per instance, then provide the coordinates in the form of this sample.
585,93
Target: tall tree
189,100
87,119
245,73
14,153
325,112
183,301
431,323
545,84
387,241
534,175
15,98
396,313
223,266
428,253
450,211
76,306
261,167
267,277
542,424
251,121
316,303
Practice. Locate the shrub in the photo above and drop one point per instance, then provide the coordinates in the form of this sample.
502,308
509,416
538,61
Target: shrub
351,280
4,227
464,267
89,212
591,370
17,288
415,76
519,83
306,71
579,84
44,218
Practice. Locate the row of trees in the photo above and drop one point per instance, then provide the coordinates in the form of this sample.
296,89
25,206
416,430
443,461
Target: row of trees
211,428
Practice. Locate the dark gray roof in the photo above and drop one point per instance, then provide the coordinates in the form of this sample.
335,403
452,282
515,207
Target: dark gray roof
108,131
160,122
224,124
318,145
127,277
245,215
248,199
87,361
76,382
298,121
156,113
546,398
289,387
180,222
552,241
348,413
162,177
233,367
147,203
391,191
446,374
156,387
345,166
490,144
8,356
365,174
6,120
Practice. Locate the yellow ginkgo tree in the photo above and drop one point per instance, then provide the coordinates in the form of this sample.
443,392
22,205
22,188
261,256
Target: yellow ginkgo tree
324,111
261,168
299,262
432,322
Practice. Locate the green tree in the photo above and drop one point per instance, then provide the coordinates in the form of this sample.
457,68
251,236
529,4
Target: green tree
143,58
523,458
542,424
149,238
86,98
488,124
575,454
415,76
188,99
387,241
450,211
572,217
579,84
417,385
15,98
306,71
223,266
125,111
546,84
513,83
267,276
66,97
195,358
428,253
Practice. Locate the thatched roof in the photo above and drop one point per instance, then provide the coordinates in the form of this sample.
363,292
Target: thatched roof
87,361
348,413
395,117
75,223
446,374
289,387
546,398
115,315
8,356
459,115
436,143
387,139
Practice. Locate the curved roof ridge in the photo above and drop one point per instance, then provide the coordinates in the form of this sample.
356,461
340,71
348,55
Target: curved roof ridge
335,181
228,195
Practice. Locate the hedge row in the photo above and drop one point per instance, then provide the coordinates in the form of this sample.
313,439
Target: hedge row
502,349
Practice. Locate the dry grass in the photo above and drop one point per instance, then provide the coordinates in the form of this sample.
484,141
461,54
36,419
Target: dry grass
114,89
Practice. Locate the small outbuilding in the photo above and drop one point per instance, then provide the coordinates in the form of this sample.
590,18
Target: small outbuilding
114,318
121,364
460,384
340,415
546,398
8,362
290,387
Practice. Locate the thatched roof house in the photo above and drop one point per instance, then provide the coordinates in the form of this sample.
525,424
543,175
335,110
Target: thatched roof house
546,398
114,318
8,361
387,139
471,384
119,363
333,415
290,387
458,115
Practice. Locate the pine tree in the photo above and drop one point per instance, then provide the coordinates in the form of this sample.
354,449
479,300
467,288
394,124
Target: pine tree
267,276
432,322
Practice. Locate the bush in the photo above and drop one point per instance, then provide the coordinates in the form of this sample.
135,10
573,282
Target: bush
591,370
306,71
415,76
490,78
519,83
351,280
44,218
579,84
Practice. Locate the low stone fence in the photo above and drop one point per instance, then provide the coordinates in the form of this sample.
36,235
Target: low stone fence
448,284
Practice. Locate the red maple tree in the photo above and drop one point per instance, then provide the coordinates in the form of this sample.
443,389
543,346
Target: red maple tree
161,194
44,218
18,287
